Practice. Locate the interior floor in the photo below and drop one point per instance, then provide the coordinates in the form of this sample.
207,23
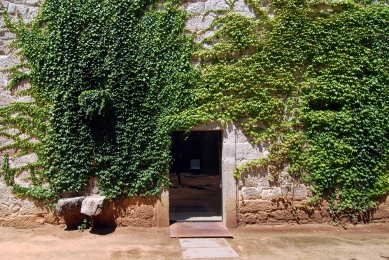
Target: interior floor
195,194
197,198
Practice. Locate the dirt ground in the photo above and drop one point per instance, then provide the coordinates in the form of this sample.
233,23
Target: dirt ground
250,242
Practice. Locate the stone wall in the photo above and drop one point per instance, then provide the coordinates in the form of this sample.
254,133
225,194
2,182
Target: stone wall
138,212
23,212
274,212
254,199
204,12
261,200
17,212
26,213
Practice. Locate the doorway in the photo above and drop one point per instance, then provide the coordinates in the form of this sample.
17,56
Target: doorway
195,193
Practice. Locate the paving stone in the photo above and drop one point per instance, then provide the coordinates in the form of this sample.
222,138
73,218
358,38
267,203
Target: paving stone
193,253
203,242
206,248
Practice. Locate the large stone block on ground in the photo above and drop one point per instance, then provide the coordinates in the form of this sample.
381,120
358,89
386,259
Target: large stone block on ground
93,205
69,206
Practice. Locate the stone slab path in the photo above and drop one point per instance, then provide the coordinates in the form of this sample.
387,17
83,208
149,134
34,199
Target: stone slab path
193,248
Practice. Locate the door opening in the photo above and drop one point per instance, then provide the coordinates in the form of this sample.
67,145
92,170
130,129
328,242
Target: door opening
195,193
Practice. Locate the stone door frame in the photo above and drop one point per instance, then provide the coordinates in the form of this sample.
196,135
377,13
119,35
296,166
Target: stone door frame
229,184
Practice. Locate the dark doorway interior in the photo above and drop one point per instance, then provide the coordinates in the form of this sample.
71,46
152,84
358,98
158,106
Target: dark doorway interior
195,193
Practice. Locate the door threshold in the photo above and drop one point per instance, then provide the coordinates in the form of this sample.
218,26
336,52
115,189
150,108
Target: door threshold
193,217
198,220
199,229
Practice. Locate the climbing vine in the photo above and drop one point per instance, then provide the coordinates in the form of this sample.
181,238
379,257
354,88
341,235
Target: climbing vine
112,79
103,74
311,78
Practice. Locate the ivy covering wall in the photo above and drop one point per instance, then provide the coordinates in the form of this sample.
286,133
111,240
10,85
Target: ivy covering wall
103,74
311,78
112,79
